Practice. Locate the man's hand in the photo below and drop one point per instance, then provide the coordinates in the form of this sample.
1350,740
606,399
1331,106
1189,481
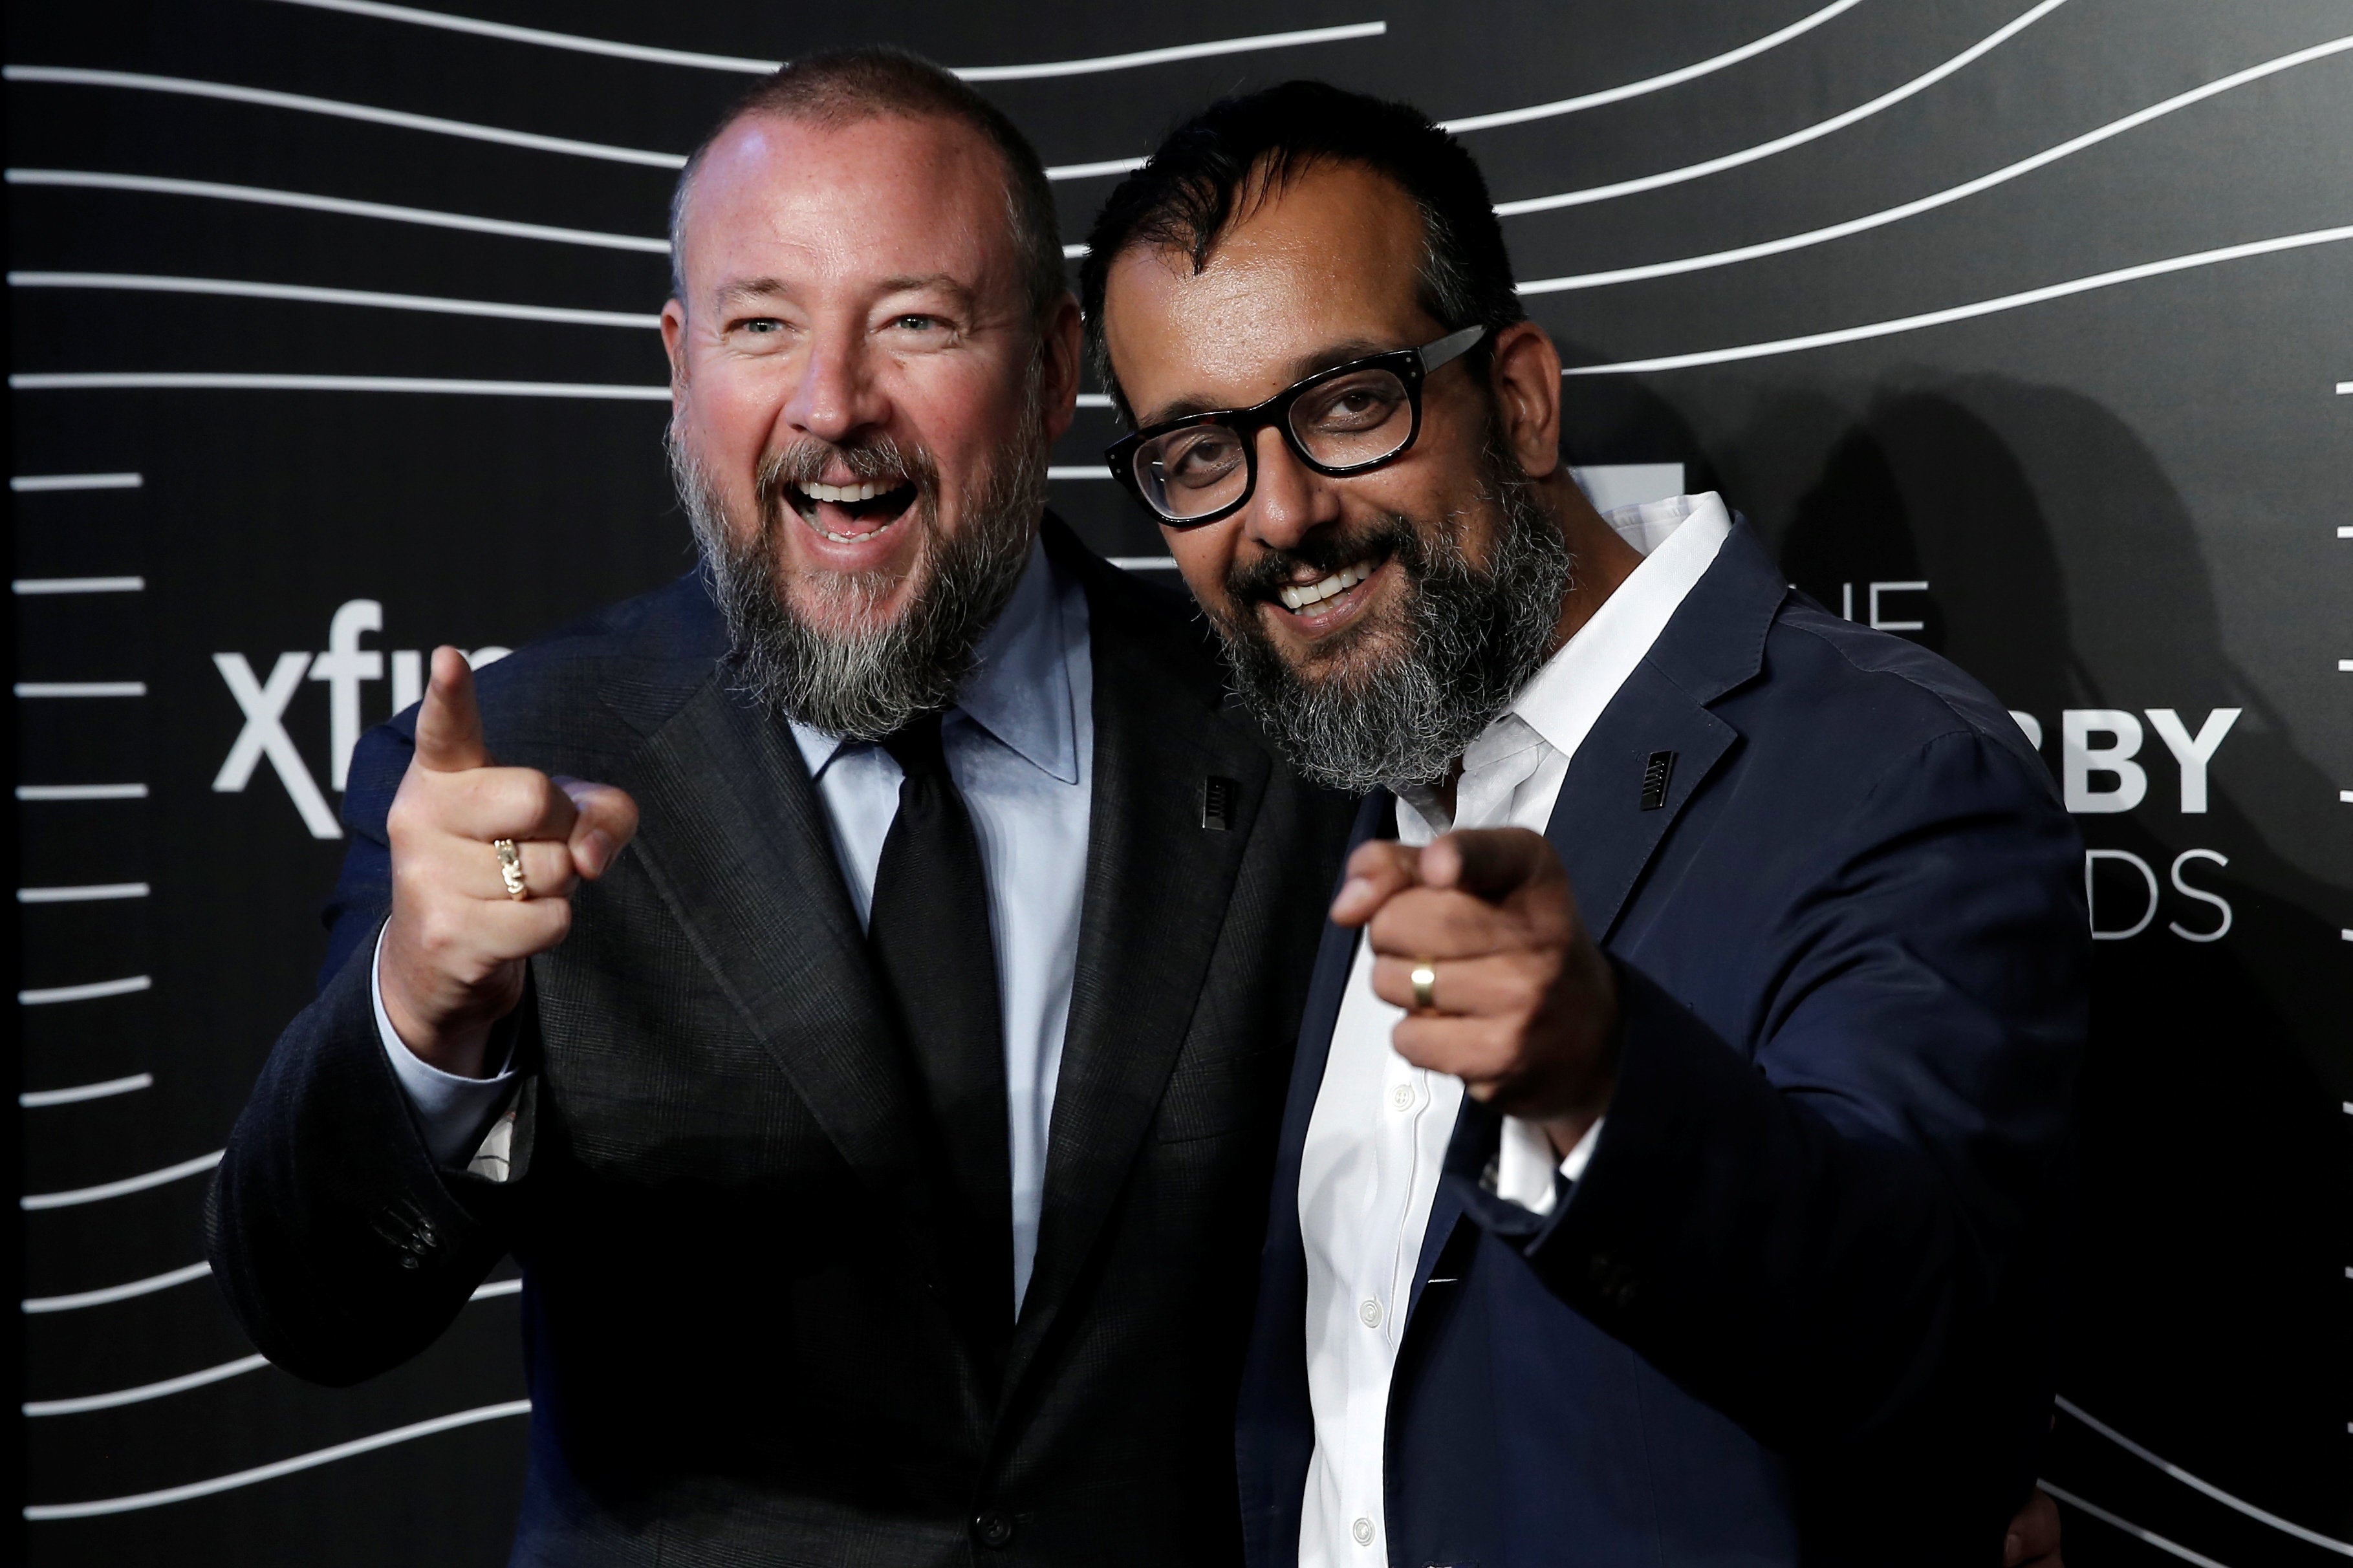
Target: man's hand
454,950
1524,1007
2033,1539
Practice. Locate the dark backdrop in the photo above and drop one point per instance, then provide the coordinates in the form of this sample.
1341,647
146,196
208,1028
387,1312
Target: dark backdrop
2081,422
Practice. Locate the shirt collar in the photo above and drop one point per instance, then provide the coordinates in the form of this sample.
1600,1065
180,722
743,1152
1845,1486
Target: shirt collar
1019,690
1678,538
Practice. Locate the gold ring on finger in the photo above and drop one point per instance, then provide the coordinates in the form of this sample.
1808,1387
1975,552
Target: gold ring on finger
1425,984
510,868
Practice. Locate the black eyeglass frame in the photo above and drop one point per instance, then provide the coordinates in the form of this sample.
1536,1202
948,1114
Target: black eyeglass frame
1411,366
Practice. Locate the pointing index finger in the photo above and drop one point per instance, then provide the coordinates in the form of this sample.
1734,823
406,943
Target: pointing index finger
1377,872
1489,863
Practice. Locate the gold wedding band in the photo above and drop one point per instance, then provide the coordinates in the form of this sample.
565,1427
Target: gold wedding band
1425,984
510,868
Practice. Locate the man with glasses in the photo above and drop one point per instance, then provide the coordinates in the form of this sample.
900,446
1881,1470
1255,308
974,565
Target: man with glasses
1674,1166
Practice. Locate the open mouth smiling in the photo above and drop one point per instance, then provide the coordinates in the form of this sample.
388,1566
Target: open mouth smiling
1331,598
852,513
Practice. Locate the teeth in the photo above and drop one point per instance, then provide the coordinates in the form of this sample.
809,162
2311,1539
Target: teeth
855,538
838,494
1299,597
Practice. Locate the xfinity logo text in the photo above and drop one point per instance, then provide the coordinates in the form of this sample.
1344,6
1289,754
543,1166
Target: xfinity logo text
345,668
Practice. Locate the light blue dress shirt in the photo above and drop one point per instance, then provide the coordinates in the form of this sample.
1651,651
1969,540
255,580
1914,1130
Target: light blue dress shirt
1021,745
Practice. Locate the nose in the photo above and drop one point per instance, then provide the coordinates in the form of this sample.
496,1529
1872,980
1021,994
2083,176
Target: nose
1291,500
837,394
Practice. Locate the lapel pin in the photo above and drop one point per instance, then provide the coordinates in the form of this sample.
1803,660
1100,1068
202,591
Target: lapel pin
1219,796
1655,774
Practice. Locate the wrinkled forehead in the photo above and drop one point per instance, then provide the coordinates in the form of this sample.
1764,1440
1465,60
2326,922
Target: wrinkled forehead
1322,267
820,205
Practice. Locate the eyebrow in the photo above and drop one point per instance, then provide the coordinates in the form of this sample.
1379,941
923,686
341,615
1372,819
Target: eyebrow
917,283
1299,369
743,290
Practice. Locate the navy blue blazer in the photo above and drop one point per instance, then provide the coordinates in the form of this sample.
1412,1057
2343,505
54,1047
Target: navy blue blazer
1798,1308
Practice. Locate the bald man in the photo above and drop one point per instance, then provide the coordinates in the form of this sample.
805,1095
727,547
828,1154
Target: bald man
872,1068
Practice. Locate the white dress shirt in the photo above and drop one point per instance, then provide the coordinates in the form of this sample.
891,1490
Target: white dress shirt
1020,746
1368,1171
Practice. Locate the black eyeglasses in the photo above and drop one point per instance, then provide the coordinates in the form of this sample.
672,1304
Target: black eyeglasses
1345,420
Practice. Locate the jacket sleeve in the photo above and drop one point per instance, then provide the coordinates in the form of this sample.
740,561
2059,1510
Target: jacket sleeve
343,1248
1820,1235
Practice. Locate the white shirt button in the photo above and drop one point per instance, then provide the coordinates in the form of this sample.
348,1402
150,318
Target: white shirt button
1401,1096
1371,1313
1363,1529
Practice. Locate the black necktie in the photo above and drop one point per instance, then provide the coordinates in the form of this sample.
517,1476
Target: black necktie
930,933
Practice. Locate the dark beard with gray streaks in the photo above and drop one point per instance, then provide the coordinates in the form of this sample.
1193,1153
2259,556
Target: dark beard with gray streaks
1403,698
852,678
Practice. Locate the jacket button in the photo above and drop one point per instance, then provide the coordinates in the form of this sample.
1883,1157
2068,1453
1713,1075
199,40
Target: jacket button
993,1529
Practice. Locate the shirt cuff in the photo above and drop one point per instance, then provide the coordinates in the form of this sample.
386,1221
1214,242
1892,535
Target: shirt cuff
450,1109
1524,1167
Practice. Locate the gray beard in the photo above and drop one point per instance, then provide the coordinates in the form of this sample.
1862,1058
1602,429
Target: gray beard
1471,640
867,681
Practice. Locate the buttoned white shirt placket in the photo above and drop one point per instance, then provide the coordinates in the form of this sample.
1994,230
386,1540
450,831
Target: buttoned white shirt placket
1379,1134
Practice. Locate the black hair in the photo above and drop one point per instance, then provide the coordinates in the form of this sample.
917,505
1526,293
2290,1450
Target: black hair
840,86
1214,168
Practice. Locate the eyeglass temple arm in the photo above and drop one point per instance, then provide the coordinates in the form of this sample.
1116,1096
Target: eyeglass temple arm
1450,347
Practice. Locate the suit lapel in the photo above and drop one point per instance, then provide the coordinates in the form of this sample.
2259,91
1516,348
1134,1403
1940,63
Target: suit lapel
734,839
1599,826
1604,824
1158,886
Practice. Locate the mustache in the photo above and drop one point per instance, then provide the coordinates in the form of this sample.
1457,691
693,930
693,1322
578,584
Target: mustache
1267,575
802,463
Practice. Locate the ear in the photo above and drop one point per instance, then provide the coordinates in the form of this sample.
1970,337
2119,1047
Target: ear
1058,387
673,331
1526,377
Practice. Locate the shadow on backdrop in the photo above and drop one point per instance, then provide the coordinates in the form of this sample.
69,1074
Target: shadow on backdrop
2205,1318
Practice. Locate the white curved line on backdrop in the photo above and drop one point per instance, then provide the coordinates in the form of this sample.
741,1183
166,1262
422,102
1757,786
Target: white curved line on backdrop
1945,197
87,892
1088,171
42,588
44,483
306,294
109,381
1049,69
1965,313
761,67
37,1512
105,1190
1794,138
36,1099
73,76
2288,1527
145,1390
2129,1528
1676,78
111,1293
94,990
185,1381
79,179
82,792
